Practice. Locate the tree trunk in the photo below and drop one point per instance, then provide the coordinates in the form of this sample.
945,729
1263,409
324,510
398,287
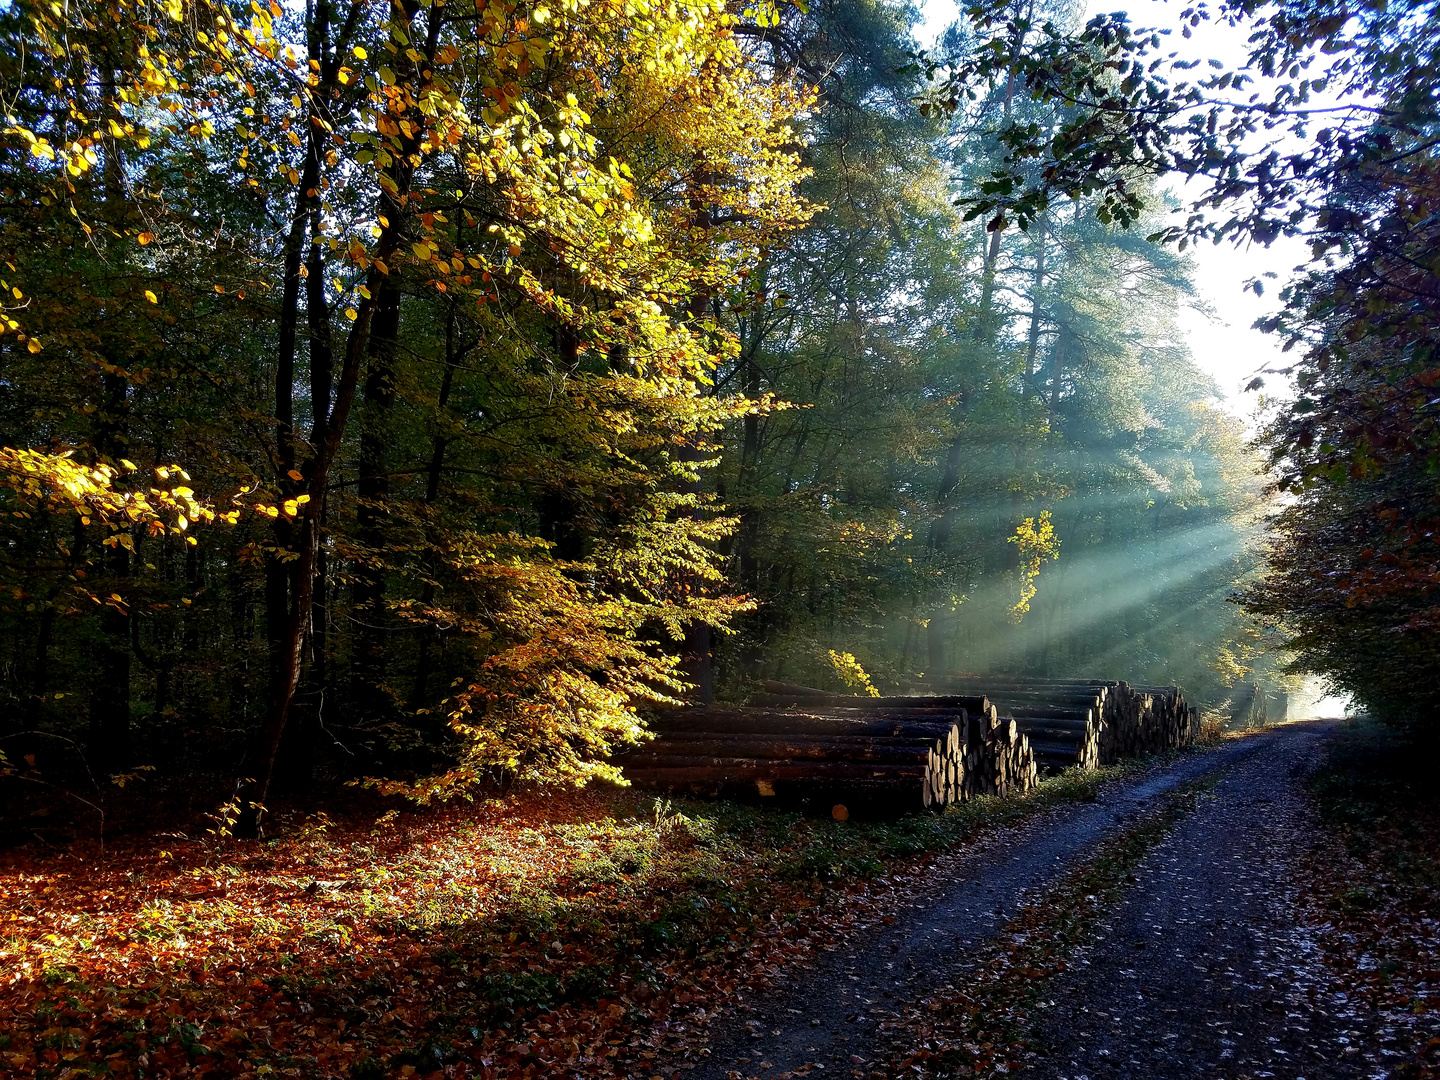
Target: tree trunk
370,697
110,693
429,638
697,657
280,569
322,378
1032,339
368,694
255,789
40,674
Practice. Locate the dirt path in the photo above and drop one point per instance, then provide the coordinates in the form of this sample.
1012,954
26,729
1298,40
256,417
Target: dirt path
1204,968
1199,970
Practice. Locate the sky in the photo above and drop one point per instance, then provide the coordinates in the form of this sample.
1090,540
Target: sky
1219,326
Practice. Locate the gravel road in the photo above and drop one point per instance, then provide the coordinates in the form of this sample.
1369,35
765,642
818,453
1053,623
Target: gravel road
1200,970
1204,969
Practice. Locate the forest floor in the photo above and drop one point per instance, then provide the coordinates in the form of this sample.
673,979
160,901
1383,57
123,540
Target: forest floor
605,934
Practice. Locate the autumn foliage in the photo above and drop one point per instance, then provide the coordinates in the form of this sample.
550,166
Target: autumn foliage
420,296
1355,560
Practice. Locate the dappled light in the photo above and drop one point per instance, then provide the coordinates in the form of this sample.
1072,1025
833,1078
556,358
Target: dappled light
632,539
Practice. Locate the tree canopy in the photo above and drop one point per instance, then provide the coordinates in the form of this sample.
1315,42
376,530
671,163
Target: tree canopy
418,392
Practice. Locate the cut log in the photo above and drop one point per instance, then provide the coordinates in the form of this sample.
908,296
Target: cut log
800,745
1053,723
969,702
771,770
1048,712
793,689
675,755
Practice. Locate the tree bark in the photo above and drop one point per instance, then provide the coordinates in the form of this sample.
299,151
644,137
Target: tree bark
1037,291
370,698
255,789
429,638
110,693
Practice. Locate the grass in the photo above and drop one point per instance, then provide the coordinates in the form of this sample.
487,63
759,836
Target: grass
530,935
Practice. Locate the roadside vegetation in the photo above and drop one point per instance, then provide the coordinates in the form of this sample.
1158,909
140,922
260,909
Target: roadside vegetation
1374,884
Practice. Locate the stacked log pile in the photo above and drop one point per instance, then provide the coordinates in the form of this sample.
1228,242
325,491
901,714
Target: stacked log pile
966,735
1086,723
808,747
997,758
1064,721
1164,720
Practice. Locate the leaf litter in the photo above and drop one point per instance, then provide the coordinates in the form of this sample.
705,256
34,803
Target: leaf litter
588,934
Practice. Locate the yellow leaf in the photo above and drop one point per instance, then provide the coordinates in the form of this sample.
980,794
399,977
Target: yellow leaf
351,314
33,345
145,238
360,53
151,297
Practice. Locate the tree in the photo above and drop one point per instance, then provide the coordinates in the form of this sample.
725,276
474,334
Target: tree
952,387
500,196
1354,563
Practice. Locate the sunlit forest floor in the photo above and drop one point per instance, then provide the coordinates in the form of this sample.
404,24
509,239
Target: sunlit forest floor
587,934
538,934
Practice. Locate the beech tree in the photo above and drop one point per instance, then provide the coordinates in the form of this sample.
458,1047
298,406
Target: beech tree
413,206
1353,562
